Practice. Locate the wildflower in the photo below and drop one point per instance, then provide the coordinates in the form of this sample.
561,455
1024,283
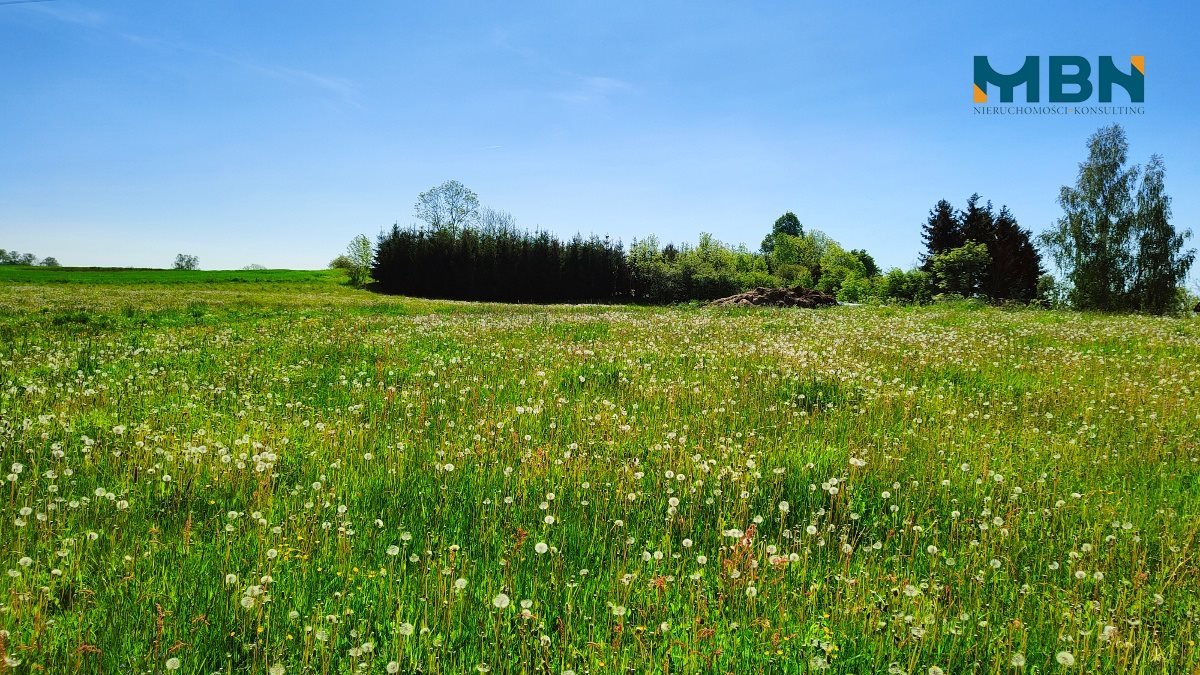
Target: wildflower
392,667
460,584
1065,658
276,669
541,547
406,629
501,601
1017,660
173,663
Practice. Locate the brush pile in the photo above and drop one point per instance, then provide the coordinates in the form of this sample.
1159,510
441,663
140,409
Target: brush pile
778,297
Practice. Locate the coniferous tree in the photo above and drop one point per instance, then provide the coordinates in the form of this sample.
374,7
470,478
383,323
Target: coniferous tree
977,222
1015,263
499,263
941,232
870,267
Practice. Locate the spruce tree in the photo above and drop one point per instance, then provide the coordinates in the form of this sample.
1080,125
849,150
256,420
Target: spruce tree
977,222
941,232
1016,264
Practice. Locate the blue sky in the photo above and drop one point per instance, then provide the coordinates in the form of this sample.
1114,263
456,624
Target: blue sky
272,132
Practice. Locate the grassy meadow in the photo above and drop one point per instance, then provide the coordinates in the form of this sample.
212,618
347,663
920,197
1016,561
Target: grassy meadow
270,472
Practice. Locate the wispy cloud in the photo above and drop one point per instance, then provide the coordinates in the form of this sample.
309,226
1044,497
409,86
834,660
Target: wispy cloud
593,89
502,38
73,14
341,88
580,89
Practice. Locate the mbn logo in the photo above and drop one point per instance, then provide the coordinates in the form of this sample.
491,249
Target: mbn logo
1070,79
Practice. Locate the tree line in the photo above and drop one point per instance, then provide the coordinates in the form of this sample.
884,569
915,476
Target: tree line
499,264
1114,248
17,258
465,251
462,250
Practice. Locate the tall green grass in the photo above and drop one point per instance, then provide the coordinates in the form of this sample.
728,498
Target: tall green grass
117,275
318,480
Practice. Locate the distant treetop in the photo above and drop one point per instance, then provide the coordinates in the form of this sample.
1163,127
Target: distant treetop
18,258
